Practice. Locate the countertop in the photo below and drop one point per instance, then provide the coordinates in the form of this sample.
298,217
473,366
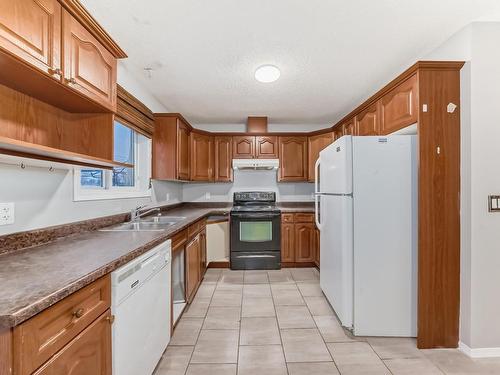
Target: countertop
35,278
296,206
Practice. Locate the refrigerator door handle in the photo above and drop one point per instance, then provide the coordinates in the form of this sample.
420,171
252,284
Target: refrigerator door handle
316,211
316,176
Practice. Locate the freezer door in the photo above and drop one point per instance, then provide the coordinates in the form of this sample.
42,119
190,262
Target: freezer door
336,254
335,167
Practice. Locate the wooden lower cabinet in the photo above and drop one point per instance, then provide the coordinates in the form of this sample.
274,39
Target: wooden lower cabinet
203,255
287,243
88,353
299,240
193,256
316,247
305,241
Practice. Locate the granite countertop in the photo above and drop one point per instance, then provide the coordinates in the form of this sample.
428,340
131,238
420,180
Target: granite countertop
296,206
36,278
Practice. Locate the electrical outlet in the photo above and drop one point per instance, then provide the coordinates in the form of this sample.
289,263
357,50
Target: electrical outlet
207,195
167,197
6,213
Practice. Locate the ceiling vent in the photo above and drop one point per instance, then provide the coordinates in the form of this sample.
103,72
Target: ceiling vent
257,124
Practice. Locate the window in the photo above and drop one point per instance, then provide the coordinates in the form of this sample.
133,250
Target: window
130,179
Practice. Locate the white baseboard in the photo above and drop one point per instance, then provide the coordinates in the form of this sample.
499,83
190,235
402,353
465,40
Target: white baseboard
478,352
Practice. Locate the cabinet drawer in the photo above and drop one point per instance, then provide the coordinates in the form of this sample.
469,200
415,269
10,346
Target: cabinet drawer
196,227
304,218
287,218
88,353
40,337
179,239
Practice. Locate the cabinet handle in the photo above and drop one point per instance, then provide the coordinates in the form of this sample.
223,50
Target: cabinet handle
55,71
71,80
78,313
110,319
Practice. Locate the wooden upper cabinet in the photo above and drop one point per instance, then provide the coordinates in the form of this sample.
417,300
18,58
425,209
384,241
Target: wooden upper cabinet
293,158
348,127
88,353
183,166
223,159
266,147
89,68
202,157
243,147
398,108
367,121
31,30
305,242
171,148
316,143
338,132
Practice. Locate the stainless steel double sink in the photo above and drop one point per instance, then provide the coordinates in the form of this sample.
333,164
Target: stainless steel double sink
147,224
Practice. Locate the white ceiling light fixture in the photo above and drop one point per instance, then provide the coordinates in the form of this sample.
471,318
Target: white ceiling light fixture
267,73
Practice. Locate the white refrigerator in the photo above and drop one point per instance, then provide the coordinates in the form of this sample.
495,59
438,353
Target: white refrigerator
366,211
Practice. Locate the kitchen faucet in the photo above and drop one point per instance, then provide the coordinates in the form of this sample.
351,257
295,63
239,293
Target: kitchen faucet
135,214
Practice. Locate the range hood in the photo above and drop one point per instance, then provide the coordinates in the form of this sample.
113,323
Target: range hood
256,164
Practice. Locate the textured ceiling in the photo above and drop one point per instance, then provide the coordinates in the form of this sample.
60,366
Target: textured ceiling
332,53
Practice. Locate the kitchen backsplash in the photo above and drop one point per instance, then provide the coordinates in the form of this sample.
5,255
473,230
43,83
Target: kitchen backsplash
248,180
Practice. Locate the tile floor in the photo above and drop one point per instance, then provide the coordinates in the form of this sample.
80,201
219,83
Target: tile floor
278,323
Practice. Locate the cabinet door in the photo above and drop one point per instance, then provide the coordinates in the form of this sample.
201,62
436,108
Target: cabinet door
305,238
182,158
31,30
315,145
89,68
193,250
348,127
202,157
367,122
293,158
223,159
398,108
266,147
203,253
316,247
338,132
287,243
88,353
243,147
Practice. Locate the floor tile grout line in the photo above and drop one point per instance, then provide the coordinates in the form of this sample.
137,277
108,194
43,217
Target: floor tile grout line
322,338
239,332
201,328
279,329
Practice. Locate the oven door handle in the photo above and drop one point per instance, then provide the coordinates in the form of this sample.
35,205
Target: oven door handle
255,215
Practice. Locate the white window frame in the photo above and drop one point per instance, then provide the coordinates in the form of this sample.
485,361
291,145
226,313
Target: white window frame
142,177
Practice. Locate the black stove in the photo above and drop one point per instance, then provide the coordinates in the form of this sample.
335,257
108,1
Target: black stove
255,231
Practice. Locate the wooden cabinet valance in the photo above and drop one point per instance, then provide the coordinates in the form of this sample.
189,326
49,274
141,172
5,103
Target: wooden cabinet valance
133,113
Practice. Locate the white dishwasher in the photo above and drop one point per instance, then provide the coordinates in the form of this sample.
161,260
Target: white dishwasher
140,303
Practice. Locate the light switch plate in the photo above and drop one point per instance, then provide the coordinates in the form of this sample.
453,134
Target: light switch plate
494,203
208,195
6,213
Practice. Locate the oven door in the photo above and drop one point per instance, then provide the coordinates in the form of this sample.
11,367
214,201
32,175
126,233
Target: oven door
255,232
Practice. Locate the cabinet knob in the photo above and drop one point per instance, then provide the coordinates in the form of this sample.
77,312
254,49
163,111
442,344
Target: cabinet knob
78,313
71,80
110,319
